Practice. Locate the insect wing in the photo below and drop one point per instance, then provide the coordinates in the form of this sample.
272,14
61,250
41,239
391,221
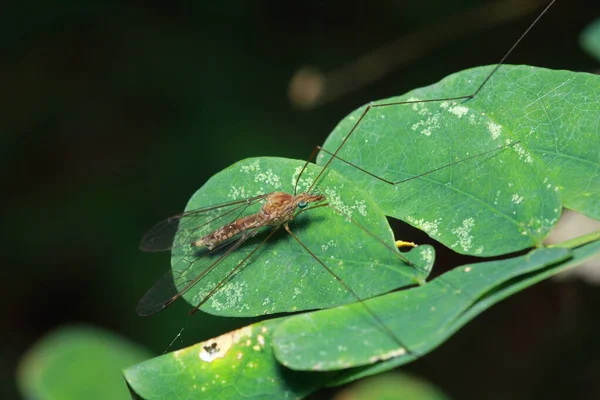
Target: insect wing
191,225
172,285
177,233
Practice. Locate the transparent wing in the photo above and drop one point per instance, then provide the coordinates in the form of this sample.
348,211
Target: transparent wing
172,285
192,225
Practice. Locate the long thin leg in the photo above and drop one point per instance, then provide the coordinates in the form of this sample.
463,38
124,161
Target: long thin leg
149,306
463,97
393,250
397,244
394,183
380,322
234,270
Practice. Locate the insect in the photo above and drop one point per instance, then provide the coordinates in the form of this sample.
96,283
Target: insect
213,250
212,244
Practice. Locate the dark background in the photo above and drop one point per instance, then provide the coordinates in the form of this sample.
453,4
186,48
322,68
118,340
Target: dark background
114,113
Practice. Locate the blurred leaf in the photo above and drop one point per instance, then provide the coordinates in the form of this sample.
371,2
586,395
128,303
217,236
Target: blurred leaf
590,39
77,362
504,201
392,386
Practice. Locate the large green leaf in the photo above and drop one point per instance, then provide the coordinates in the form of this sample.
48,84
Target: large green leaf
281,276
504,201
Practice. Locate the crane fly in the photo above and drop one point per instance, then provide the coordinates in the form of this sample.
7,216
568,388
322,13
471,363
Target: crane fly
215,243
211,244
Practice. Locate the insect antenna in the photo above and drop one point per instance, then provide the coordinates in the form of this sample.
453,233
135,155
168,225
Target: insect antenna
312,156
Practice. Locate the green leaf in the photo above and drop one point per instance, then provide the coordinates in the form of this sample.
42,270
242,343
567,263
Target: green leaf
528,277
282,276
242,363
503,201
235,365
590,39
77,363
422,318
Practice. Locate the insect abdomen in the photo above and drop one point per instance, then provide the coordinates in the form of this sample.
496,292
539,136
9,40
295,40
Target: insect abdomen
227,231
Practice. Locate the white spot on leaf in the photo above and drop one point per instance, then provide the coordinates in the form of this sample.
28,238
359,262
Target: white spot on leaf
431,227
523,154
517,199
459,111
252,167
495,130
463,232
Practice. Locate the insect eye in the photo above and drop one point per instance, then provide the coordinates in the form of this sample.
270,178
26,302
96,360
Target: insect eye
302,203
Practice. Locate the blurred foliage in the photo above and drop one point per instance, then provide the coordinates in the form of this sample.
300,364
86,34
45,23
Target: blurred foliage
78,362
115,112
590,39
392,386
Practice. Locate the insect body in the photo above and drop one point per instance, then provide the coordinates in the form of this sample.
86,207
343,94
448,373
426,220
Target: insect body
222,253
278,209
